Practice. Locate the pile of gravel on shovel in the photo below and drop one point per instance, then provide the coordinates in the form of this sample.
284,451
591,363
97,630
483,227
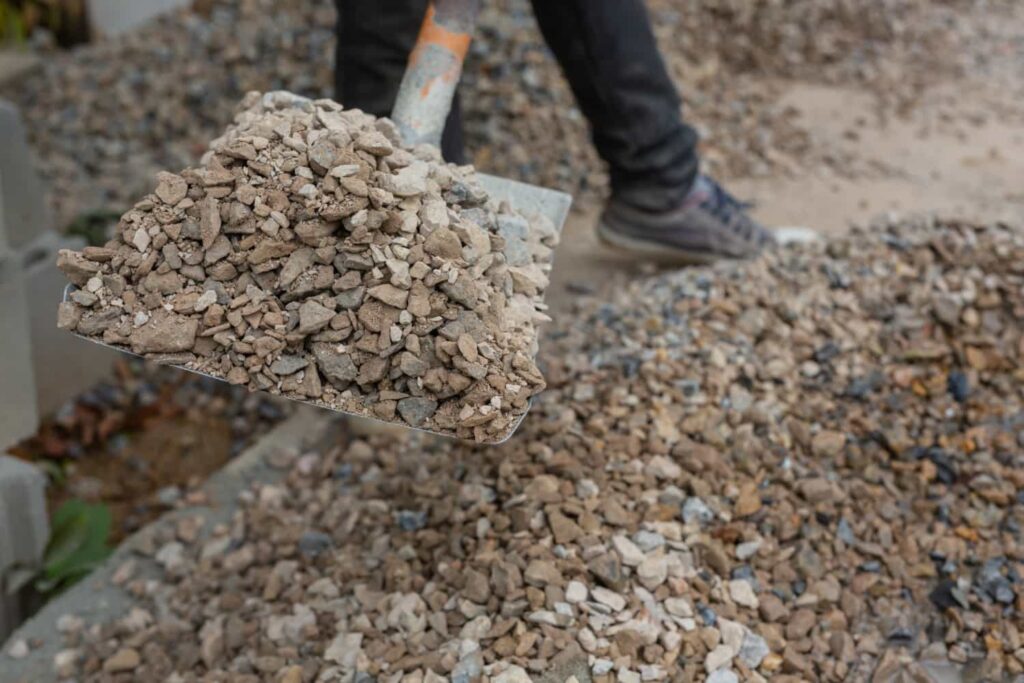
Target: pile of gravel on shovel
807,467
314,256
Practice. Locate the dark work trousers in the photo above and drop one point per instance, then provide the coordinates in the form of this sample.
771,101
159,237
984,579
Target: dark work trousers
606,49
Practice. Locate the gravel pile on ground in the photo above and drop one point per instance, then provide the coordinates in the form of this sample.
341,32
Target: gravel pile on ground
105,118
312,255
835,40
802,468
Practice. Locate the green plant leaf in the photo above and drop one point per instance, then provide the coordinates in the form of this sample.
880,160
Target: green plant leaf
64,515
15,27
77,545
50,586
82,562
94,226
79,540
45,586
67,529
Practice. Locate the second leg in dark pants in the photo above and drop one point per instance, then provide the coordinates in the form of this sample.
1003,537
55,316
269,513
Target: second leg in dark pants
607,50
660,206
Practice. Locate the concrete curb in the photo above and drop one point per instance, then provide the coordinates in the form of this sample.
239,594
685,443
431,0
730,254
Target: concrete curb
42,367
96,599
25,211
24,528
17,64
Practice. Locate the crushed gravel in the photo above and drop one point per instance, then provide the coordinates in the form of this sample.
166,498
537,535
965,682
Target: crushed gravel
312,255
806,467
802,468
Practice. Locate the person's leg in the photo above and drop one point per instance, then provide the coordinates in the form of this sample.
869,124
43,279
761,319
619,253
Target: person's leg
375,38
610,58
661,206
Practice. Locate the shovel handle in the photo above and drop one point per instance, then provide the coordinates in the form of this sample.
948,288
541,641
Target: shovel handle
435,65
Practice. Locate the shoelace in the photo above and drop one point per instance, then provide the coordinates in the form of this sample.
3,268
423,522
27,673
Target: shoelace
730,210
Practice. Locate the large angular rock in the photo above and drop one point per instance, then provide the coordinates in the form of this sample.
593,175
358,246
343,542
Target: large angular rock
336,366
165,333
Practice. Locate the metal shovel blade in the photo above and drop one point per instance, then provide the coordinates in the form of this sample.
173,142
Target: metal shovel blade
529,200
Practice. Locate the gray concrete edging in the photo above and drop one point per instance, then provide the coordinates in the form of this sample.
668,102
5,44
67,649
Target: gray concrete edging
24,529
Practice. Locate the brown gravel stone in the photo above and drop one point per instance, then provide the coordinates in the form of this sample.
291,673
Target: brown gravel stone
125,659
164,333
800,624
542,573
170,188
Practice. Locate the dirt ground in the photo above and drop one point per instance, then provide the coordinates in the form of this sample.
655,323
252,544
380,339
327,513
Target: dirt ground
960,150
140,441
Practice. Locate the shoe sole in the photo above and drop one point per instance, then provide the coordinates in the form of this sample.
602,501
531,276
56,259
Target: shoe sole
655,251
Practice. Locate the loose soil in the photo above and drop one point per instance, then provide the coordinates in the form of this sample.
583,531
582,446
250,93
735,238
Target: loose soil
140,441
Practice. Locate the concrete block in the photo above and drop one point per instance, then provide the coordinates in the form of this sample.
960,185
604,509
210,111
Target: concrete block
63,365
41,366
16,64
24,529
25,212
18,414
111,17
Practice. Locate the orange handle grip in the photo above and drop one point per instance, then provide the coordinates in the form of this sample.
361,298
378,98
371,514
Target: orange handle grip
435,66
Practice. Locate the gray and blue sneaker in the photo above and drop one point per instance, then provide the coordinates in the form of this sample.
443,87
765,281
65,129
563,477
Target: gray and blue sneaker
710,224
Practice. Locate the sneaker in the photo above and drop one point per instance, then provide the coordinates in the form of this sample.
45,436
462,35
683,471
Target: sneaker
710,224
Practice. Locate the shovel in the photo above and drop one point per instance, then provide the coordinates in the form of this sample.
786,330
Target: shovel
421,108
426,93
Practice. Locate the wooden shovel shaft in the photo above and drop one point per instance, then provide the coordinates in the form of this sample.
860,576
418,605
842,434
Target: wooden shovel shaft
435,66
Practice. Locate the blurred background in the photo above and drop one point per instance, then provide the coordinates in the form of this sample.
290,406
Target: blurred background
873,104
823,112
